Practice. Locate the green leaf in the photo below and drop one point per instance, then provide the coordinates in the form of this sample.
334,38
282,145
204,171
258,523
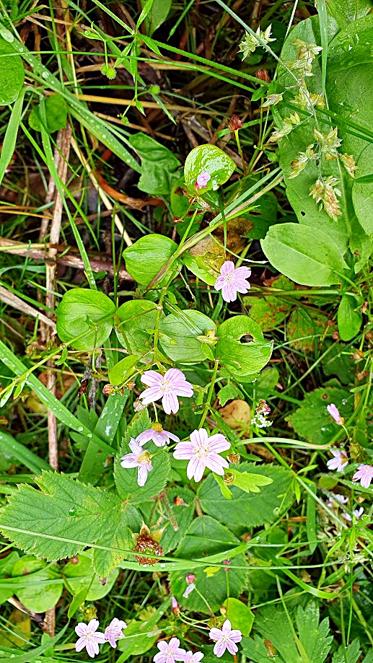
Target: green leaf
211,159
239,614
312,421
186,336
55,110
241,359
349,317
245,510
345,12
205,259
307,327
178,514
36,593
85,318
278,642
228,393
158,14
291,248
81,578
60,519
146,257
158,163
349,654
135,324
10,137
362,190
204,537
126,478
17,451
248,481
140,636
123,370
12,73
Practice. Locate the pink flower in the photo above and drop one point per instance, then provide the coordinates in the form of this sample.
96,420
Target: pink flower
225,638
364,474
166,387
113,632
356,512
156,433
89,637
169,652
140,459
334,413
202,180
339,460
232,280
203,451
189,657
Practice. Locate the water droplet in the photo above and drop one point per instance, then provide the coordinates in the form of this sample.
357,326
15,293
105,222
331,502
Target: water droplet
80,429
7,35
45,75
344,401
72,511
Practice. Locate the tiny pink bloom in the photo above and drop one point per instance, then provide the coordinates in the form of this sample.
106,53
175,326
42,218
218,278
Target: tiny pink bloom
189,657
341,499
190,588
203,451
225,638
169,652
174,604
356,512
166,387
339,460
364,474
202,180
156,434
89,637
334,413
190,578
113,632
140,459
232,280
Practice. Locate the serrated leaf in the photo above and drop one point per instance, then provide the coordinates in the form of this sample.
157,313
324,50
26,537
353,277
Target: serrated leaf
126,478
58,520
245,510
178,514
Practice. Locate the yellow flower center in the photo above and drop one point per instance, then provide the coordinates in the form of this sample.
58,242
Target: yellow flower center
157,427
145,457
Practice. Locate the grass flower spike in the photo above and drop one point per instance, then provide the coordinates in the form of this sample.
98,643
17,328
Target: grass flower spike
203,451
225,638
89,637
140,459
166,387
232,280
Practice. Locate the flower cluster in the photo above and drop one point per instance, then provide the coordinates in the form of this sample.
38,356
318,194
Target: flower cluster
90,638
262,411
326,192
225,639
201,450
306,53
288,125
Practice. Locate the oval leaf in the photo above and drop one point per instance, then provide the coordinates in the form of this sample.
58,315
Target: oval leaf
207,159
147,256
303,256
12,73
85,318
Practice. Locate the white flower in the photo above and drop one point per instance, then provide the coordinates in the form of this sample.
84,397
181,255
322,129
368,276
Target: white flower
225,638
339,460
140,459
113,632
89,637
203,451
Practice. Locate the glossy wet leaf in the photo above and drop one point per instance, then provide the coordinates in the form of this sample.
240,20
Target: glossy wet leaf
135,324
242,348
146,257
12,73
158,164
85,318
187,336
121,371
207,159
55,110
